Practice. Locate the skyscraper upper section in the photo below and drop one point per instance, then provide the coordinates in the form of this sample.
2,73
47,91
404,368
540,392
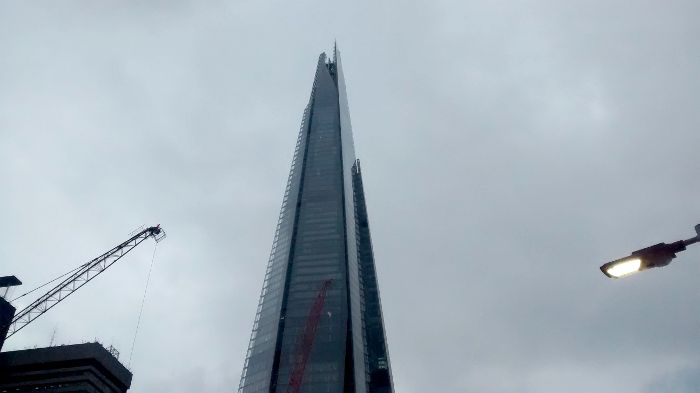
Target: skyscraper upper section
318,326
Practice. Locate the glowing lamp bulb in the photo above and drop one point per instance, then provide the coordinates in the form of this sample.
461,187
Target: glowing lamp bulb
623,268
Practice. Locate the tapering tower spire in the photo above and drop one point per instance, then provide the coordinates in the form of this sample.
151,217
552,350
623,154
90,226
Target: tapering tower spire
321,246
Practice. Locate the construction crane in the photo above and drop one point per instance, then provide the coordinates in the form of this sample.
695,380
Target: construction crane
301,354
79,277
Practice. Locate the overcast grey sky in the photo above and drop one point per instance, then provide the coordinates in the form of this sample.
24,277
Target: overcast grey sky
508,149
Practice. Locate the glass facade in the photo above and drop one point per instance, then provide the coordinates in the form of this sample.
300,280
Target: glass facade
322,236
378,367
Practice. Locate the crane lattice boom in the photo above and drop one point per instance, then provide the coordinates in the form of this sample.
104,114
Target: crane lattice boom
80,277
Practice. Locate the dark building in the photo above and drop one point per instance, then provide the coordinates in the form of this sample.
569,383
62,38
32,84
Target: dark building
86,368
7,311
319,327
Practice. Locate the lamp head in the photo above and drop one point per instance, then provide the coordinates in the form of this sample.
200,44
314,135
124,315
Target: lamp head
657,255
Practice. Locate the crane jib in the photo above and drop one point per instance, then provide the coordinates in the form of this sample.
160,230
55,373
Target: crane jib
80,277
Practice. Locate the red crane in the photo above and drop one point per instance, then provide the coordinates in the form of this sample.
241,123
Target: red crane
301,354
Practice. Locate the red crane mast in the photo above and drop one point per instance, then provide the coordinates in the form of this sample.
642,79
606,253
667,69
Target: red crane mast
301,354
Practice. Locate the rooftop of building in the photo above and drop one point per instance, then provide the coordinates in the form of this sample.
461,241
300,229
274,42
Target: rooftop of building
74,355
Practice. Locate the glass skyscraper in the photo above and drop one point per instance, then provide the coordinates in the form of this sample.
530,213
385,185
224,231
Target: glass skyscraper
318,326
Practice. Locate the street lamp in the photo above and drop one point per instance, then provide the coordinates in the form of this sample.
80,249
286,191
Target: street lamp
657,255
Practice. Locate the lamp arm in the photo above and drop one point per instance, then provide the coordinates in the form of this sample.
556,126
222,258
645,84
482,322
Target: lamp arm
695,239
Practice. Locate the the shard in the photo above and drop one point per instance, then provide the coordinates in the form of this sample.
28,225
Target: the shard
318,326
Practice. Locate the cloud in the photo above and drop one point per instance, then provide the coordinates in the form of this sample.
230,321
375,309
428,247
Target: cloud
682,381
508,150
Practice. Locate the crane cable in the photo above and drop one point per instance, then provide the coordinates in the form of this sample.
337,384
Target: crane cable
49,282
143,300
